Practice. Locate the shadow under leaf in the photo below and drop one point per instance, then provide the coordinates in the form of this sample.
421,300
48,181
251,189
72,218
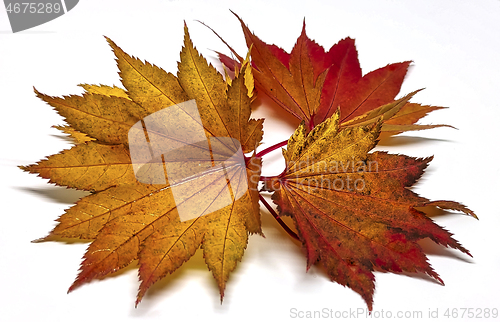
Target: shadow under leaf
57,194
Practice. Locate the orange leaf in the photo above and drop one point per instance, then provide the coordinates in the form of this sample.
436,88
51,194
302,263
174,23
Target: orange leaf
311,83
208,198
353,210
171,165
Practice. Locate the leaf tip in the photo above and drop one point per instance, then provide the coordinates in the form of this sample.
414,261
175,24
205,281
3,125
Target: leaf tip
110,42
234,13
37,93
40,240
137,301
78,282
72,288
50,237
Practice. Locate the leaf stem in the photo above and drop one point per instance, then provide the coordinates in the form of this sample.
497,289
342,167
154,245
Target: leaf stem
271,148
278,219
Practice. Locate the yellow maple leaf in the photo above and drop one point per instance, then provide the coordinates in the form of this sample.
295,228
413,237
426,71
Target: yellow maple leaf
128,218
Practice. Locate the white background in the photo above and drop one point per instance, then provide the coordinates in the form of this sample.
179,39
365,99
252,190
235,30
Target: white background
455,47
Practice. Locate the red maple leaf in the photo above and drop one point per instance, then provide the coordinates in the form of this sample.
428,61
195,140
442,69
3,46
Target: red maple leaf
311,83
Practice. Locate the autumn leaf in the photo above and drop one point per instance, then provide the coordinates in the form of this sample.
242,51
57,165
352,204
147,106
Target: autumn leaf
311,83
172,166
352,209
128,219
76,136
